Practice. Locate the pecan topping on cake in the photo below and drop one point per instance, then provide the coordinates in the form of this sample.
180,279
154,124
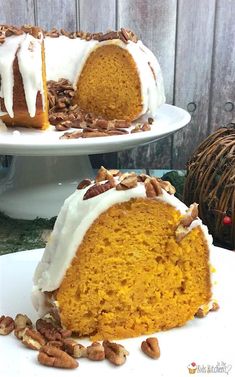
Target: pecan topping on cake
152,187
98,189
128,182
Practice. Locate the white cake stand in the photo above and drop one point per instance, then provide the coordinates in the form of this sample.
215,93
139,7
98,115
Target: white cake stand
45,170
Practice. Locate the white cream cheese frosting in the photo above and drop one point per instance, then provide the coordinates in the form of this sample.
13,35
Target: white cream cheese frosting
65,58
74,219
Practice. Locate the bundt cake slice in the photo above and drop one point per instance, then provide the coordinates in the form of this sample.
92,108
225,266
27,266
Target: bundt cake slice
125,258
23,92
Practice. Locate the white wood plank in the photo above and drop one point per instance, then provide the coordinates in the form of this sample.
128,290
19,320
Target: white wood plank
95,16
57,13
222,108
98,15
17,13
155,23
195,29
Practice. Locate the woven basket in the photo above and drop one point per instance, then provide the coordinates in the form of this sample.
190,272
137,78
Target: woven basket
210,182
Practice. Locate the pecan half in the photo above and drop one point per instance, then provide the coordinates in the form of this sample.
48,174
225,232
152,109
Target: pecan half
127,183
115,353
152,187
95,352
32,339
98,189
54,357
151,348
190,215
7,325
74,349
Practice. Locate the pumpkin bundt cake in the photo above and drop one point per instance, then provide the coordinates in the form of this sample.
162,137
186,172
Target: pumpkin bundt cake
125,258
113,74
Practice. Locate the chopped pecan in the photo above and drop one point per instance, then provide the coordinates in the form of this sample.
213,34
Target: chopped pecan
152,188
150,120
120,123
201,313
181,232
146,127
56,343
114,172
83,184
142,177
95,352
54,357
71,135
101,123
127,183
7,325
117,132
151,348
108,36
205,309
98,189
214,307
74,349
167,186
141,128
32,339
129,35
190,215
22,321
95,133
103,175
115,353
50,331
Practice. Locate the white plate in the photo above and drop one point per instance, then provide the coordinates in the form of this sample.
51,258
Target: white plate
206,341
32,142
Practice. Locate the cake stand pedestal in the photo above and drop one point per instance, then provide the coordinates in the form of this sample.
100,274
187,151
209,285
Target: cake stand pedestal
37,186
46,170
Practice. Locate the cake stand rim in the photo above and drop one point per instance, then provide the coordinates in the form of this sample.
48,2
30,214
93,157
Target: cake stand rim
169,119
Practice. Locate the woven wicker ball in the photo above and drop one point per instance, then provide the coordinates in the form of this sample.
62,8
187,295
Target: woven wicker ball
210,181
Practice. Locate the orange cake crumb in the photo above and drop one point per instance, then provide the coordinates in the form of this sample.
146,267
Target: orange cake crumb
130,276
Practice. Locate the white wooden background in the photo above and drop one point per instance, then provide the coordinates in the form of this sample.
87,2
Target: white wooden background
194,41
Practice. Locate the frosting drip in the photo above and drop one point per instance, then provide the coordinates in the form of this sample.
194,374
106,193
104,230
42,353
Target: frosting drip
7,56
27,49
30,66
